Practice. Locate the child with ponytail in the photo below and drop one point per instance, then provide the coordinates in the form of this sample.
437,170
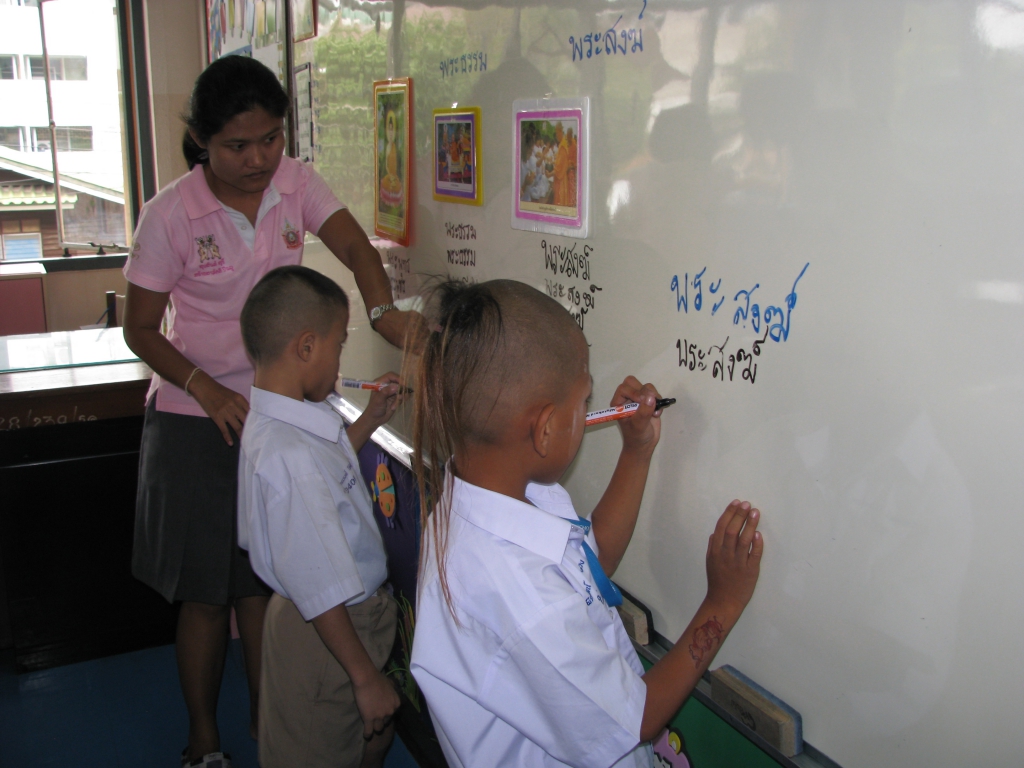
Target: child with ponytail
519,650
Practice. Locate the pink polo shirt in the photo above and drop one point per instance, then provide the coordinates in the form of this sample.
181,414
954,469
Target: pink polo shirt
187,245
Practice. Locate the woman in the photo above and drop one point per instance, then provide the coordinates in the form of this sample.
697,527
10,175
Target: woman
200,246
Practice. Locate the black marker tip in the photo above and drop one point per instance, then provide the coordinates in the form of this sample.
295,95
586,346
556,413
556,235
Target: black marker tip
663,402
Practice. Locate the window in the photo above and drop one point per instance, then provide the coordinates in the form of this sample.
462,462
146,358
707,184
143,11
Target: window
82,37
10,137
61,67
23,246
69,139
8,67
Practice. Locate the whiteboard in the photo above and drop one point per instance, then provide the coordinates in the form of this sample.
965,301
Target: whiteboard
881,144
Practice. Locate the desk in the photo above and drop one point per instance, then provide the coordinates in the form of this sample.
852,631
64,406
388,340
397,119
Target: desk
69,452
61,378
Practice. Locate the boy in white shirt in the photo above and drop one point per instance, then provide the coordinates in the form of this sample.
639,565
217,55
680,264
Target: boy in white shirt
304,514
520,653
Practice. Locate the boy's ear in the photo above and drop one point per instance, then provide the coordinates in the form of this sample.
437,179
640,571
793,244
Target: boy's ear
202,144
542,430
306,343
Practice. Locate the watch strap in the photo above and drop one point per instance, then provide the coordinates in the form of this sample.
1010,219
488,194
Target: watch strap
377,312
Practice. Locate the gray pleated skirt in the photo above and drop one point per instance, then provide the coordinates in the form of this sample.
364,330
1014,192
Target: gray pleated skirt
186,532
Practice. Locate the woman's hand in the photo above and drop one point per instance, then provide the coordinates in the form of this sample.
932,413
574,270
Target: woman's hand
641,431
396,326
226,407
383,403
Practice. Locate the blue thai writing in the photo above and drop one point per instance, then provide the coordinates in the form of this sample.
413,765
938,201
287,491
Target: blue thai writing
774,318
460,65
610,42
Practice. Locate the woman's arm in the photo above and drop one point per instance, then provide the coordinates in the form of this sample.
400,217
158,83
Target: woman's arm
143,313
344,237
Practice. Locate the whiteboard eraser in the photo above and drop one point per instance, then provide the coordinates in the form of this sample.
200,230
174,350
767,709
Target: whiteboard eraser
635,622
636,618
762,712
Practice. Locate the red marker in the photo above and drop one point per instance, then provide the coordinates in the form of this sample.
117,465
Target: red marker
374,385
624,411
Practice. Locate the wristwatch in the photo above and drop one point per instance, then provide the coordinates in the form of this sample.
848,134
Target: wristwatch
377,312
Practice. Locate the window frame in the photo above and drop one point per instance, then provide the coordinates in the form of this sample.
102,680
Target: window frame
23,237
15,65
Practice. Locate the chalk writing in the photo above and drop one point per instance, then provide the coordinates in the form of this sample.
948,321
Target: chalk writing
463,257
460,231
467,62
689,293
714,359
610,42
36,420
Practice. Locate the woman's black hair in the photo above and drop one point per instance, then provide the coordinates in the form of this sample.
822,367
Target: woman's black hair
228,87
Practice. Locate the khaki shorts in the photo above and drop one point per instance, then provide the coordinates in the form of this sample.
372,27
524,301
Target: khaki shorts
308,714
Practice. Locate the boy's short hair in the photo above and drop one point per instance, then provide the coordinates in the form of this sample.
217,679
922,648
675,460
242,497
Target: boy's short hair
285,302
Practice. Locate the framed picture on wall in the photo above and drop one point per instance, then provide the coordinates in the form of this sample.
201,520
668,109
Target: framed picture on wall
304,19
392,156
457,172
552,166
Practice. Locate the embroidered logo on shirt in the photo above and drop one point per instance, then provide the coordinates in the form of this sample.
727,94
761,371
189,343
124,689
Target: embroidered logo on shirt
292,237
208,250
210,260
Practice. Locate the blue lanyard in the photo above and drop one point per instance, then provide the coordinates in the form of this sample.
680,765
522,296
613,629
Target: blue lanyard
608,590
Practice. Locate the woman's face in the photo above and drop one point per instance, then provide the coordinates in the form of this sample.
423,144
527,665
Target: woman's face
246,152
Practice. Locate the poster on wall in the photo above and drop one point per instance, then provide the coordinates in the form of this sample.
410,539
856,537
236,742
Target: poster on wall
247,28
457,173
230,27
392,155
304,19
551,166
303,111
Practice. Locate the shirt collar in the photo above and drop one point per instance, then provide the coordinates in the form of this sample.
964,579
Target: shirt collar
200,201
271,197
318,419
196,194
540,527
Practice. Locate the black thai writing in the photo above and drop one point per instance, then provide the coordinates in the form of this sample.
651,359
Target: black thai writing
567,260
460,231
463,257
467,62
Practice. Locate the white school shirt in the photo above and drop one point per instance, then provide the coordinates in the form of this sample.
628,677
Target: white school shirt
304,512
541,671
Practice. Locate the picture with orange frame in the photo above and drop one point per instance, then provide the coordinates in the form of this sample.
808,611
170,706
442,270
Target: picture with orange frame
392,166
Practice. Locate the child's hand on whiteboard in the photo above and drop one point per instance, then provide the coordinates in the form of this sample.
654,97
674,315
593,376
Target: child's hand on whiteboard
641,432
734,557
